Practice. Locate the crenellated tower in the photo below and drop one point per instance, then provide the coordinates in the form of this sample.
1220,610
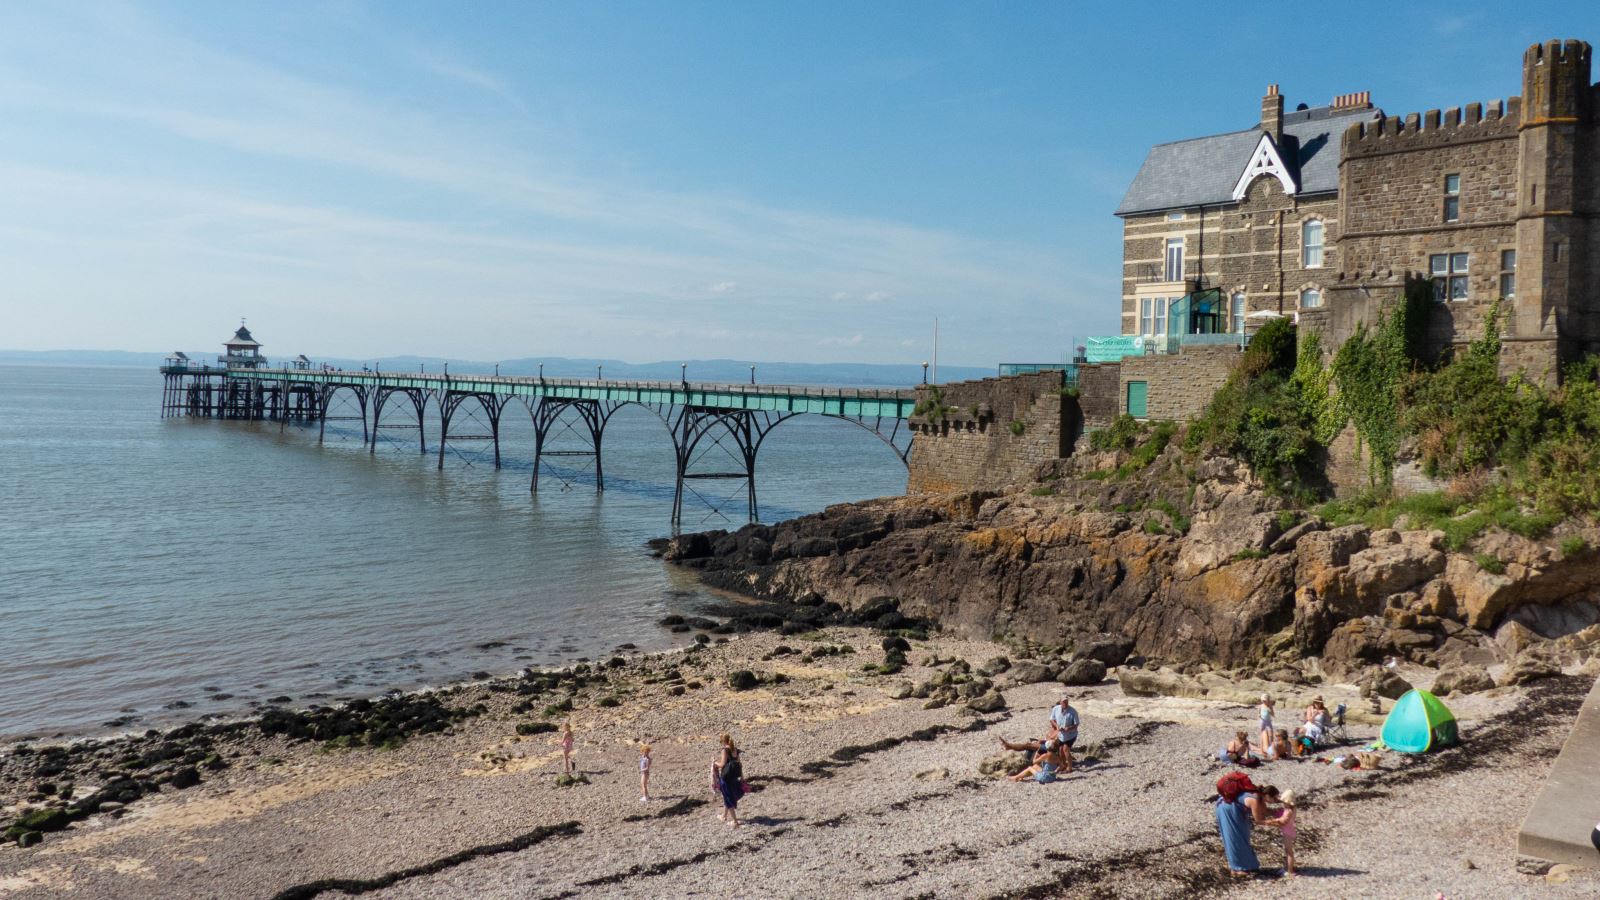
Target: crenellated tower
1552,300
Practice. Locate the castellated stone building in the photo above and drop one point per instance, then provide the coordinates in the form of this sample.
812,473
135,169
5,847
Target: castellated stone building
1324,213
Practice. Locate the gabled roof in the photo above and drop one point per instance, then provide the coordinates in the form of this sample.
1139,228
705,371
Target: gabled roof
1203,171
241,338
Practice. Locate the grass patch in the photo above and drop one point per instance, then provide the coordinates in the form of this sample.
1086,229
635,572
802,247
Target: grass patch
1574,546
1044,491
1250,553
1490,563
1461,518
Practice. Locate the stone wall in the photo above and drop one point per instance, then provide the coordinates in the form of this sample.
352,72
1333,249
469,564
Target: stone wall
1099,393
1180,384
990,433
1392,195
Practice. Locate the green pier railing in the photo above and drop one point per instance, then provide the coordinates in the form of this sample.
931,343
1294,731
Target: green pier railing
854,403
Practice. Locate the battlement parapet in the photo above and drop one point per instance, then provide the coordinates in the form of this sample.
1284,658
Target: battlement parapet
1434,128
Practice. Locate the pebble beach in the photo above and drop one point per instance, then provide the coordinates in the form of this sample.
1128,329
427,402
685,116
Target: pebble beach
855,794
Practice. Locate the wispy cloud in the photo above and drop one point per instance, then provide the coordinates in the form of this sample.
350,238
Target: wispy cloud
278,194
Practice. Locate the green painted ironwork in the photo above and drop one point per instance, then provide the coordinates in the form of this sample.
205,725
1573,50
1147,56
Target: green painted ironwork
854,403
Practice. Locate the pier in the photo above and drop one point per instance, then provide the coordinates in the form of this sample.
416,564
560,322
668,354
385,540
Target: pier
699,417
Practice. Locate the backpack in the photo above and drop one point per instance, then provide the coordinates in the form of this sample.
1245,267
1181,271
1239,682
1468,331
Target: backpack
1232,784
732,771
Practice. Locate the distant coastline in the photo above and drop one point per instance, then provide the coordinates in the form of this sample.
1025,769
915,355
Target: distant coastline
713,370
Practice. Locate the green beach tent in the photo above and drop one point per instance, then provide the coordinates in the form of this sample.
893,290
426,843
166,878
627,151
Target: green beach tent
1418,723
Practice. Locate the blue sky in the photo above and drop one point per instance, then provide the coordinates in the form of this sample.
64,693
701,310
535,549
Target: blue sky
802,182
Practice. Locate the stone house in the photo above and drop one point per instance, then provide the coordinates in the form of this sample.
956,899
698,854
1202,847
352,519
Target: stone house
1324,213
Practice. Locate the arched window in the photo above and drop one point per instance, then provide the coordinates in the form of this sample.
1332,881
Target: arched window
1311,244
1310,298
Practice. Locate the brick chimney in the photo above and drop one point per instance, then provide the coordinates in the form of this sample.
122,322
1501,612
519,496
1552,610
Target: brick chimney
1357,100
1272,113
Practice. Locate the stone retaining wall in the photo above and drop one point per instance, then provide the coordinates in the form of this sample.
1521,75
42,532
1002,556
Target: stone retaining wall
991,432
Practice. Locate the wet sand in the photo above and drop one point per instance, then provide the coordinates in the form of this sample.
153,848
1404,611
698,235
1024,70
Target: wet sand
858,794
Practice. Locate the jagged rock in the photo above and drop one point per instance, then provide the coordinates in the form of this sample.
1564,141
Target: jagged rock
1109,651
1358,641
1084,672
1531,664
991,702
1381,681
1513,637
742,680
29,839
186,777
1030,672
49,819
1462,680
901,691
1002,764
896,644
995,666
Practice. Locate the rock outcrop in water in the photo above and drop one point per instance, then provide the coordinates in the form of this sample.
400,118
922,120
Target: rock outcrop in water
1187,566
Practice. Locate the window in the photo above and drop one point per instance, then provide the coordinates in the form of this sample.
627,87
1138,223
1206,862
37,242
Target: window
1174,259
1175,216
1449,272
1311,244
1153,315
1452,198
1238,313
1310,298
1508,274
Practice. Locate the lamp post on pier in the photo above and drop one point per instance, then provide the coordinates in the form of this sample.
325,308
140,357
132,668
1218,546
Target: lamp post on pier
597,376
752,374
924,371
683,373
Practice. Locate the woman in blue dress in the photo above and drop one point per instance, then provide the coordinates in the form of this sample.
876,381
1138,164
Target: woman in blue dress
1234,821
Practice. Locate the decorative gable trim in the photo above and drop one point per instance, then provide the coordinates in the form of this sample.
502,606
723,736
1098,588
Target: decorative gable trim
1264,160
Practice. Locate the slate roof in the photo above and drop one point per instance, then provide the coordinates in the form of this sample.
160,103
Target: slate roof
242,338
1203,171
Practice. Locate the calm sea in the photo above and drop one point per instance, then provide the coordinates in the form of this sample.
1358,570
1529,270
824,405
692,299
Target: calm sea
149,563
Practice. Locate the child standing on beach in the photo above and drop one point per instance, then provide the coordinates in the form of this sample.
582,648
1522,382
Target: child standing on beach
644,772
566,747
1264,712
1285,822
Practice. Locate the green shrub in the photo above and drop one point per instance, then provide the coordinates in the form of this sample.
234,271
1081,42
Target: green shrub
1490,563
1251,553
1044,491
1574,546
1123,433
1017,426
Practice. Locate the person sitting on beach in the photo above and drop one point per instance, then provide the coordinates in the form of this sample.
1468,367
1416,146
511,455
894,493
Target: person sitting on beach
1281,748
1237,750
1311,731
1045,765
1034,746
1318,713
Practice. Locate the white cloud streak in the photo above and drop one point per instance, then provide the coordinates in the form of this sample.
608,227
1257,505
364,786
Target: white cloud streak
490,250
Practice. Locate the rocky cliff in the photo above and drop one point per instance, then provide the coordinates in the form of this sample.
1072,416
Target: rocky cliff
1185,561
